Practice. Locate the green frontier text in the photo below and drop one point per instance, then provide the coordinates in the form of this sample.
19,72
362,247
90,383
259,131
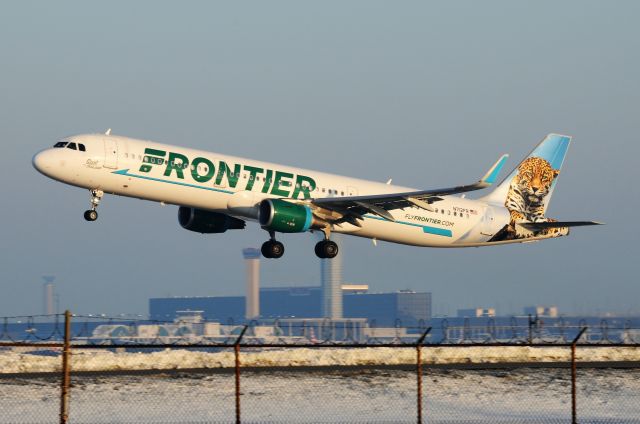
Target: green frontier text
203,170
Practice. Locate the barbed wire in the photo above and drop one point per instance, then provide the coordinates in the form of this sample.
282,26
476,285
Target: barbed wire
93,330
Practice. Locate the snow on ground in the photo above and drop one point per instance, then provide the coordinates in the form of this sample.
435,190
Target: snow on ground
491,396
17,361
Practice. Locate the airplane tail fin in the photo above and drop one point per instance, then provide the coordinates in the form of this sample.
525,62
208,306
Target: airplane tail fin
534,179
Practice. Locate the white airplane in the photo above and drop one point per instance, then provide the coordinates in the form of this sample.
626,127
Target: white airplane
216,193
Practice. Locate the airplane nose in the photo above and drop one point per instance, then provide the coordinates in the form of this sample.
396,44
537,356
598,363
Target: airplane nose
40,161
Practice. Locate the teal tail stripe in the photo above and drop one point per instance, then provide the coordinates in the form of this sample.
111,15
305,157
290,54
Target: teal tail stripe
553,149
143,177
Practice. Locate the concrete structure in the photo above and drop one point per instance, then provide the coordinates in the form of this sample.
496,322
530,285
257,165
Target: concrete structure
47,304
252,259
403,308
354,288
407,308
542,311
331,281
224,309
477,313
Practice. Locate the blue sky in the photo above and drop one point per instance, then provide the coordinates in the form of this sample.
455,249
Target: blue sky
429,94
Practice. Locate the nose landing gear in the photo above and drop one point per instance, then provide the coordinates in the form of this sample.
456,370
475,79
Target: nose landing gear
272,248
96,196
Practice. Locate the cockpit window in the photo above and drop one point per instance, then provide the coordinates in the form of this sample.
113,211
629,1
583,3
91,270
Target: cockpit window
72,146
60,144
81,147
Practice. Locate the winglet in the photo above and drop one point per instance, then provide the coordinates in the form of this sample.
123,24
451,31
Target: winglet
492,174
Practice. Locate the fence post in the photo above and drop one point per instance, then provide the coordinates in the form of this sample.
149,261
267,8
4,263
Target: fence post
419,371
236,349
66,369
574,414
532,322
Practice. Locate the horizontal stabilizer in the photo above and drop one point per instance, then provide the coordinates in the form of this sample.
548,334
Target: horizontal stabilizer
538,226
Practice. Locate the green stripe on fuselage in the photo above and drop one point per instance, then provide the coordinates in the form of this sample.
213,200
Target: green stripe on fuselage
144,177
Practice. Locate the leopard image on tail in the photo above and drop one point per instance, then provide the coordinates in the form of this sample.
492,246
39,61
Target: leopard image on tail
526,198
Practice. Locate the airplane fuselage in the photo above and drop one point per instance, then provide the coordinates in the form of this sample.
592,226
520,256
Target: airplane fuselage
235,186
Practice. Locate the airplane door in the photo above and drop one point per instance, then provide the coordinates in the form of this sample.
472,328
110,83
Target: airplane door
110,152
487,222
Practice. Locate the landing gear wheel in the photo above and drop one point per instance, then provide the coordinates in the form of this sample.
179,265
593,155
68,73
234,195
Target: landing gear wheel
272,249
90,215
326,249
96,196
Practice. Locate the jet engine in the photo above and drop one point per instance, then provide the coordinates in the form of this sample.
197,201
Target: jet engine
207,222
286,217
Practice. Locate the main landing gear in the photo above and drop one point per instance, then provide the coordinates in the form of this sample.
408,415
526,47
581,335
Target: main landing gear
326,249
96,196
272,248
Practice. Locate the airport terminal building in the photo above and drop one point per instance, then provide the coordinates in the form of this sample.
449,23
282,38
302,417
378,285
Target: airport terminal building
404,308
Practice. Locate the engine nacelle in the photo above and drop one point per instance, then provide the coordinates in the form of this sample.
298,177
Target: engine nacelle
202,221
286,217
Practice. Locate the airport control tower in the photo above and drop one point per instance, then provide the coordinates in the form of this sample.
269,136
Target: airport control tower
47,304
252,259
331,278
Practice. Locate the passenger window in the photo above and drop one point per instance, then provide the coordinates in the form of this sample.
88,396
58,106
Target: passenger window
72,146
342,193
323,190
81,148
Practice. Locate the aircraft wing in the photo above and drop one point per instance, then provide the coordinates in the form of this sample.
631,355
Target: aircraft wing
353,208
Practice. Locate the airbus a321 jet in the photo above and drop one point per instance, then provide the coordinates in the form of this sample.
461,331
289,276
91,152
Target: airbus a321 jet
216,193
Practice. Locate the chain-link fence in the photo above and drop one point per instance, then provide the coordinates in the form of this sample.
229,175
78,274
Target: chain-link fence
238,377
